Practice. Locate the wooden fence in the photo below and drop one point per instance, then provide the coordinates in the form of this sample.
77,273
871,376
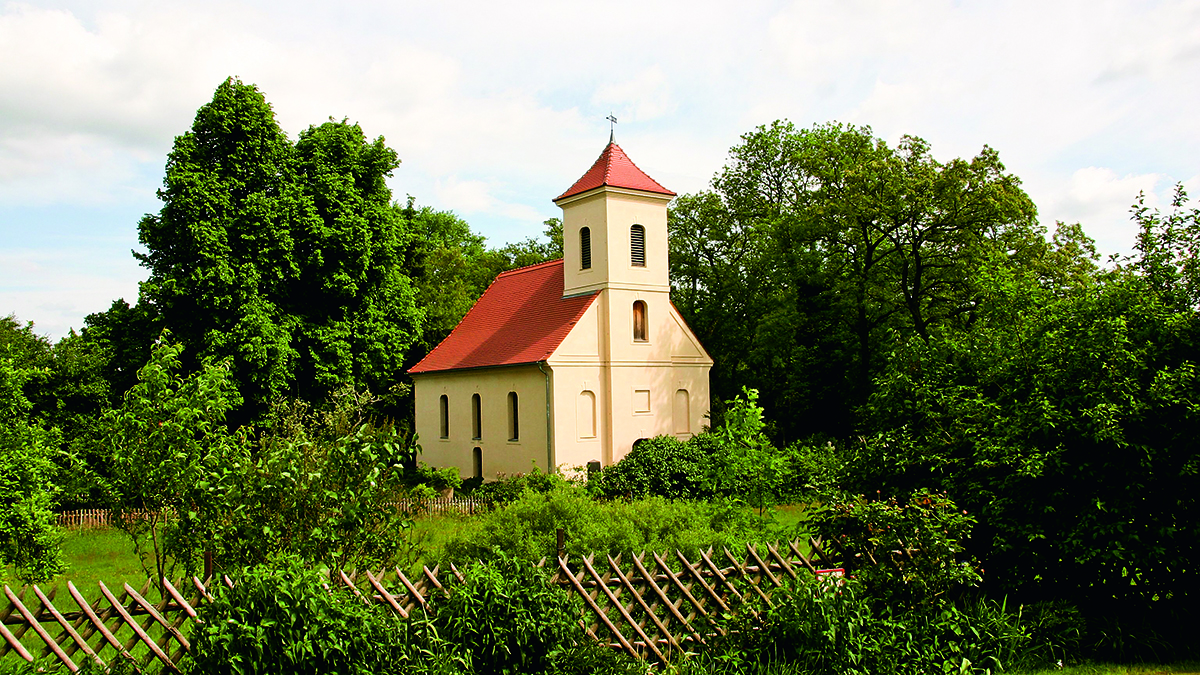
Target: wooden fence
647,606
96,518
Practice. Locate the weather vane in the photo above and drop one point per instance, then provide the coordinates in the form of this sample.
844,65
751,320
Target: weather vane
612,127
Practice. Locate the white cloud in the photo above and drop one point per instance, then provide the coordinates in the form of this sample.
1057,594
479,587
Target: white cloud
56,289
495,108
644,97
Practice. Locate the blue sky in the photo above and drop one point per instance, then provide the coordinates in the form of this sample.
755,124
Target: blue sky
495,108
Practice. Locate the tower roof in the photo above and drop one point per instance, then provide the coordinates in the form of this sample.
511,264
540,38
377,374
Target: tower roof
614,169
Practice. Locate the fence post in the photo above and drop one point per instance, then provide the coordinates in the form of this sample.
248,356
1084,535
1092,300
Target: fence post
561,547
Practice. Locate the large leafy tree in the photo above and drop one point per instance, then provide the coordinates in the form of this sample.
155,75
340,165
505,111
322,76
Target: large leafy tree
284,257
1066,419
815,246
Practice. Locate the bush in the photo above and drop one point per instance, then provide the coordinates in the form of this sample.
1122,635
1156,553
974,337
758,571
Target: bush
662,466
279,618
906,551
819,626
525,528
507,618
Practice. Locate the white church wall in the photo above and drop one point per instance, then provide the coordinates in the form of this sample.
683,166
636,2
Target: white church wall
499,453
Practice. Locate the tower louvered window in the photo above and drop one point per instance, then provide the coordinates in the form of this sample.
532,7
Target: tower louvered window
585,249
637,245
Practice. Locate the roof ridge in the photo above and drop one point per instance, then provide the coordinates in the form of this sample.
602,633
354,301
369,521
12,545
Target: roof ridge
526,268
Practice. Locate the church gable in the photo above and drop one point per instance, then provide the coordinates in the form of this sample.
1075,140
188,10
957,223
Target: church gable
686,347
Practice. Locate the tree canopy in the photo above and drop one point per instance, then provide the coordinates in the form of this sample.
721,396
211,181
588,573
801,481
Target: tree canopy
285,257
815,247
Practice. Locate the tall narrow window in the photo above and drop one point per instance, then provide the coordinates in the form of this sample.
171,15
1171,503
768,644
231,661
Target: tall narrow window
514,417
586,414
476,417
637,245
477,462
639,321
444,417
585,249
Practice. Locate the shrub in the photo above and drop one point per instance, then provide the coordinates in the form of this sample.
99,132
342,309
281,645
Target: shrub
662,466
818,626
904,550
278,618
507,618
525,528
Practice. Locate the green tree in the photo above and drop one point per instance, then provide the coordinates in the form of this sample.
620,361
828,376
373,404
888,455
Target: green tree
322,485
28,538
164,440
285,258
1066,422
451,266
815,245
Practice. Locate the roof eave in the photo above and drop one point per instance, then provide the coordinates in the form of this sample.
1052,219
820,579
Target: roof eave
569,198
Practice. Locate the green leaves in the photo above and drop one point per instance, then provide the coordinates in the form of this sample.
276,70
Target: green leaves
164,440
286,259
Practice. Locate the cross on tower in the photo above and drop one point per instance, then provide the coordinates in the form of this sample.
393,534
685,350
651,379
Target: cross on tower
612,127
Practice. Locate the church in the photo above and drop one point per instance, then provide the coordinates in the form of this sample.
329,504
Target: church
570,362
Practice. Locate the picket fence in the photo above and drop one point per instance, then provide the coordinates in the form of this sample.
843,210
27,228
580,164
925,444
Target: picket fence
647,606
97,518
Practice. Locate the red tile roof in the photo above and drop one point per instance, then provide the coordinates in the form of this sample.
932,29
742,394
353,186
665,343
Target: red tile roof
614,169
521,318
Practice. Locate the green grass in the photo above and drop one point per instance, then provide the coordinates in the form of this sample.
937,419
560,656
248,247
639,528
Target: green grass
1181,668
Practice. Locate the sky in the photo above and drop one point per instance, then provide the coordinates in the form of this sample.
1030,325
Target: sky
496,108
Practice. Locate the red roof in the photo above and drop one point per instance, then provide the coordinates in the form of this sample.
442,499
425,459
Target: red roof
614,169
521,318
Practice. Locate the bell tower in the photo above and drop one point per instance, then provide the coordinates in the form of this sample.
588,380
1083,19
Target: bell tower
615,228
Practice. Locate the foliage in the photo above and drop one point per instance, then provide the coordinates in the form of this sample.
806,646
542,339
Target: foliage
166,436
662,466
281,618
734,461
526,527
321,485
509,619
28,538
751,465
905,552
508,488
452,266
821,626
814,245
285,258
1066,424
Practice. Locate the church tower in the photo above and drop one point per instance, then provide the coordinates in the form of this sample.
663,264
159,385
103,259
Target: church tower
615,228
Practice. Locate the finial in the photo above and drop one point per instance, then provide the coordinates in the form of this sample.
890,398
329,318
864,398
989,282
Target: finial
612,127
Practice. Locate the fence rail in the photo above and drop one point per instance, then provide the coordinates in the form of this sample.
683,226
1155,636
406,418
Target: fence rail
97,518
650,603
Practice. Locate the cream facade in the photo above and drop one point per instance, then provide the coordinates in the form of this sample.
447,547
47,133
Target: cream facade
627,368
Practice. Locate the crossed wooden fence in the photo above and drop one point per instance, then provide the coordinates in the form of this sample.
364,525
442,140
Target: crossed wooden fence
649,606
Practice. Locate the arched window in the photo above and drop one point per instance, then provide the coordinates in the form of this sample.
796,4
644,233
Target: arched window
586,414
477,462
637,245
514,418
683,416
639,321
585,249
476,417
444,417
